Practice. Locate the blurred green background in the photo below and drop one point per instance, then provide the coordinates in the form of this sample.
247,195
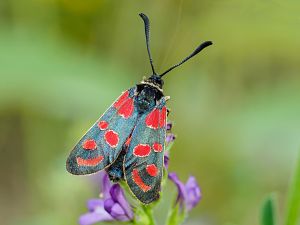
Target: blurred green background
235,106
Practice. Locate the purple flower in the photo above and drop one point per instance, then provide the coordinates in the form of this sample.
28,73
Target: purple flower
169,126
117,206
189,194
96,213
166,160
170,138
113,205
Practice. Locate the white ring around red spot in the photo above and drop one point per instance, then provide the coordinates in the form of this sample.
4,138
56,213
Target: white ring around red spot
103,125
112,138
139,181
89,162
152,170
142,150
157,147
89,144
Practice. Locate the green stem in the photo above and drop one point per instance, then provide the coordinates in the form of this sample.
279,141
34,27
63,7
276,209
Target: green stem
176,216
149,212
146,211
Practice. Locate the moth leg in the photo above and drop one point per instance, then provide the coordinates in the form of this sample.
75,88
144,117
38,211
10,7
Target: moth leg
168,111
167,98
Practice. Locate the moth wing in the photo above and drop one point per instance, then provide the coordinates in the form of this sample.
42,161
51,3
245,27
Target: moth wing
103,142
143,163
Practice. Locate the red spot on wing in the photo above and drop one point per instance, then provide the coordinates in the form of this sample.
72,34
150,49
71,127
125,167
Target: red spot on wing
89,162
126,109
139,182
162,118
157,147
141,150
89,144
111,138
103,125
152,119
152,170
121,99
128,141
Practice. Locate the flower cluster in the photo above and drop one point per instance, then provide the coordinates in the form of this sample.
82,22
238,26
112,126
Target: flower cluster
189,194
113,205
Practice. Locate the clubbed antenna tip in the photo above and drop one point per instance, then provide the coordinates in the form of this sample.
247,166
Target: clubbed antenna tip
195,52
147,33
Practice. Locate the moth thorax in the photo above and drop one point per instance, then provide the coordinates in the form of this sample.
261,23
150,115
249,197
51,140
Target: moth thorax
146,99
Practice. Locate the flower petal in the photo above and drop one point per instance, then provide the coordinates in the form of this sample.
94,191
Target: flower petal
193,193
115,210
181,195
166,160
118,196
170,138
92,204
118,213
94,217
108,204
169,126
106,185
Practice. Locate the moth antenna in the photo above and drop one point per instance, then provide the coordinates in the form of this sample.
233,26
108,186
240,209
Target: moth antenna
147,31
195,52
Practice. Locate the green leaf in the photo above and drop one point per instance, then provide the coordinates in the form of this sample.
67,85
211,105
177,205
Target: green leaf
293,205
268,211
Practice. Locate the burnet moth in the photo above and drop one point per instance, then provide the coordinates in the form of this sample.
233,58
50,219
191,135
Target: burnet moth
128,140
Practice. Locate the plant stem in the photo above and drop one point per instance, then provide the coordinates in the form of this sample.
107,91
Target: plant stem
149,212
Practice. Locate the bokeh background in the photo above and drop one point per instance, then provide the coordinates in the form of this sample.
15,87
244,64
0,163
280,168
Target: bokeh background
235,106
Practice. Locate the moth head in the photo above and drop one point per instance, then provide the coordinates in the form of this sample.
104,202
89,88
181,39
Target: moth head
156,80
